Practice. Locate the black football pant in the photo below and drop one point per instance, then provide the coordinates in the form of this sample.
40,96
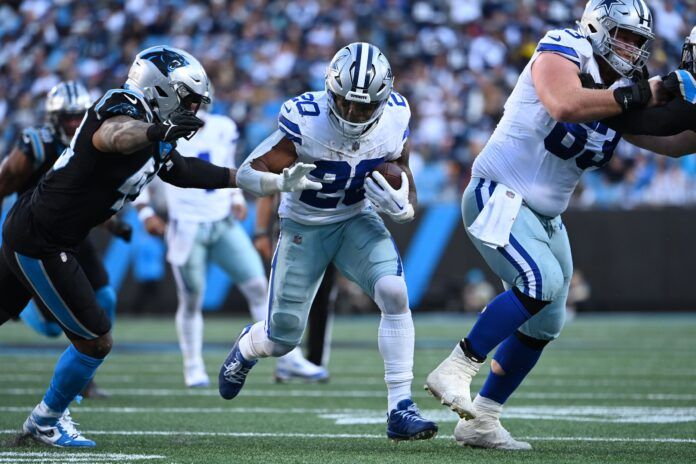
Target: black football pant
59,286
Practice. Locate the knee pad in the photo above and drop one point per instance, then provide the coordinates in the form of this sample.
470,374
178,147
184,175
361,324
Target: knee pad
391,295
106,297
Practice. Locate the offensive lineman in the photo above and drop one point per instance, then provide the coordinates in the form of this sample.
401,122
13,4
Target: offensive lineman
521,183
353,126
124,140
202,230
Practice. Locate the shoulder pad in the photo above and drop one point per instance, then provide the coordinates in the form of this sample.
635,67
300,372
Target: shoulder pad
295,114
122,102
33,143
399,111
568,43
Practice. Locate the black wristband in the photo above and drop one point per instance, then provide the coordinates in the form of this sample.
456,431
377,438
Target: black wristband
634,96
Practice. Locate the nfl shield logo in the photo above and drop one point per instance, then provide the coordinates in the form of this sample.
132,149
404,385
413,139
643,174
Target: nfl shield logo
297,239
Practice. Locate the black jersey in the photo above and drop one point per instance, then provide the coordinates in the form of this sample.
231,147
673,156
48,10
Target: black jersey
42,146
85,186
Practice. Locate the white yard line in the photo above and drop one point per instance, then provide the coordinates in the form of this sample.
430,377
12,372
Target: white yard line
61,457
332,393
167,433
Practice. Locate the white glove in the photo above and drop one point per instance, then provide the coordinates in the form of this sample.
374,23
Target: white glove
386,200
295,178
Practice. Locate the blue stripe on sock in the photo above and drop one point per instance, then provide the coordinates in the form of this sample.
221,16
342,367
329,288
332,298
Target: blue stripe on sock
38,278
532,264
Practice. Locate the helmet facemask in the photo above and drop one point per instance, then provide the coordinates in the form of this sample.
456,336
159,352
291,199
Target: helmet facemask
66,104
354,115
626,58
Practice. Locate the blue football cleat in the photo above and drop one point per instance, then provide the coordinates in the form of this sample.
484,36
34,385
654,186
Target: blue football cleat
61,433
406,423
234,370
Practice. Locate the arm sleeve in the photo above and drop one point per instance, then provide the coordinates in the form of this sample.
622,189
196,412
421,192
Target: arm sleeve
189,172
670,119
257,182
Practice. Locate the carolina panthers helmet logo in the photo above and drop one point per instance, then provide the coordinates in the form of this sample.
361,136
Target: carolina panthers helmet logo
166,60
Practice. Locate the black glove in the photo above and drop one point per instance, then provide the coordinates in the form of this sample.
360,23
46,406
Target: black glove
588,82
120,228
180,124
634,96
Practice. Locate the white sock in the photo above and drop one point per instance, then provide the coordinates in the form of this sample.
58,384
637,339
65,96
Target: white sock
189,329
42,410
255,290
396,341
256,344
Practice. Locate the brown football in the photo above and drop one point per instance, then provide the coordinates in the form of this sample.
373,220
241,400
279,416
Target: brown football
391,172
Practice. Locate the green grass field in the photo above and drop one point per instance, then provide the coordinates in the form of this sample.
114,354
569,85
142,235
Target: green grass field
612,389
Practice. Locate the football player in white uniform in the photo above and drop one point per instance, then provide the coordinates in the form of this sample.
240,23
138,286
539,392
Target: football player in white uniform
204,227
521,183
349,129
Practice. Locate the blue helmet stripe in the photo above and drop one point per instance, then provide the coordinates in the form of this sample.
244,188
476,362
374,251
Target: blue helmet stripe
366,84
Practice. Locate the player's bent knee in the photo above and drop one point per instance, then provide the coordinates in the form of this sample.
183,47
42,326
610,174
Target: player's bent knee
98,347
391,295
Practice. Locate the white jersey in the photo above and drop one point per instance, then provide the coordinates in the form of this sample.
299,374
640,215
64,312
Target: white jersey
534,154
216,143
342,163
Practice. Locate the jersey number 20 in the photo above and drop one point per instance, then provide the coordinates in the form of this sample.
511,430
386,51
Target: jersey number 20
335,176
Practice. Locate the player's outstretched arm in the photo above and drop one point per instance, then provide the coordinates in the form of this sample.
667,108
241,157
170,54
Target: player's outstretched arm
272,167
15,169
189,172
123,134
560,90
674,146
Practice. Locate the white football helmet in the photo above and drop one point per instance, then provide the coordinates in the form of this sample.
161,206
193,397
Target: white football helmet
688,59
602,21
66,104
358,83
169,79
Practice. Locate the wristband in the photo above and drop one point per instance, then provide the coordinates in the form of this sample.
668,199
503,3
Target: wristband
145,213
634,96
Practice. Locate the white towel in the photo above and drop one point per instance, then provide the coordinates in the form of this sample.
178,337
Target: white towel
180,238
494,222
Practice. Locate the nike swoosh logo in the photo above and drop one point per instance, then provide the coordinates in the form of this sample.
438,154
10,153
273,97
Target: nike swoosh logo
557,39
130,99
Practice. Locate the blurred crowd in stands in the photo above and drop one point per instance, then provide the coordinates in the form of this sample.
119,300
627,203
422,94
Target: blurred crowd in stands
455,60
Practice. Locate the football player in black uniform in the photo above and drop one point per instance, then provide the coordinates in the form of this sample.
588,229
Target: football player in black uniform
126,138
36,151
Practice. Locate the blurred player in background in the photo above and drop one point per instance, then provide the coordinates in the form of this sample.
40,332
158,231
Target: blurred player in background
35,153
204,228
348,130
521,183
320,321
124,140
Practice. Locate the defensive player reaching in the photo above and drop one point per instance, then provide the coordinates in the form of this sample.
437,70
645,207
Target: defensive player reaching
204,227
521,183
123,141
349,129
37,150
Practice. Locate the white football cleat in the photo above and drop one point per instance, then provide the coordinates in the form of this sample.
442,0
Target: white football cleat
61,433
196,377
486,431
295,366
450,382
